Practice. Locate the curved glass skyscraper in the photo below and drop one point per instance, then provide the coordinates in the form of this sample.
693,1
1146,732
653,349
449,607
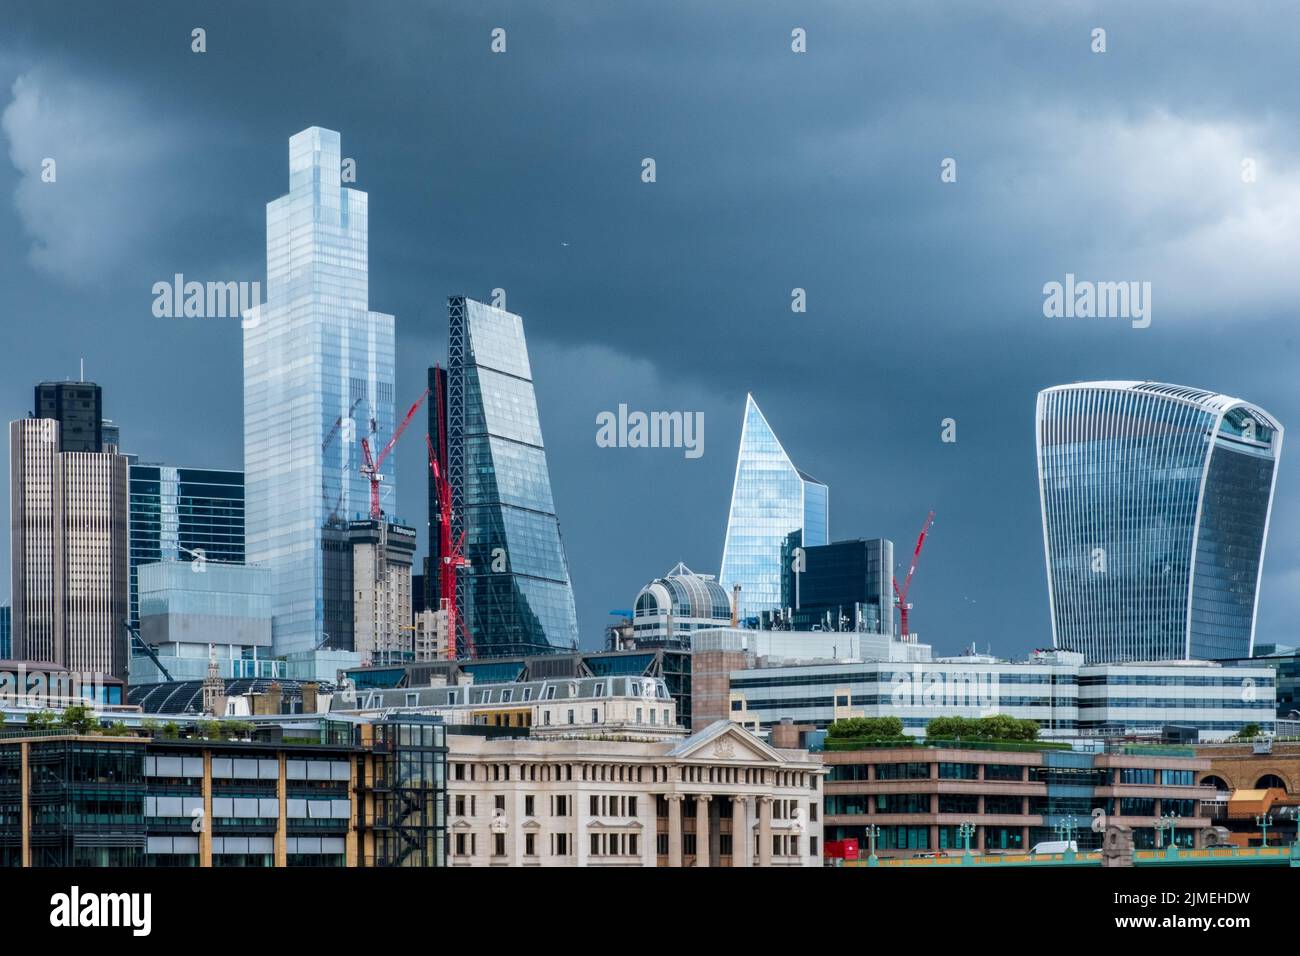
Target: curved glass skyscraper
515,595
769,499
1156,502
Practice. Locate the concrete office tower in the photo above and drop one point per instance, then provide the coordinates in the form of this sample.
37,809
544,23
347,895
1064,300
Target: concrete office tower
77,407
318,377
769,498
1156,502
382,554
69,551
515,597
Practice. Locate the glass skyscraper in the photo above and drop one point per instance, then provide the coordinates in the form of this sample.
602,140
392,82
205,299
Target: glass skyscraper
769,499
180,514
318,376
1156,502
515,597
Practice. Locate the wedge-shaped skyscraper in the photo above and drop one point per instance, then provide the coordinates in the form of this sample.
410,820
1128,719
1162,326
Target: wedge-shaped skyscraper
769,498
515,596
1156,502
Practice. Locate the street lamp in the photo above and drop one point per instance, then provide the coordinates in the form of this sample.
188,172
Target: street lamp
1167,822
873,831
967,830
1065,830
1264,821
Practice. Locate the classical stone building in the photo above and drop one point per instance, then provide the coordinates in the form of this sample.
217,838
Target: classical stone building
720,797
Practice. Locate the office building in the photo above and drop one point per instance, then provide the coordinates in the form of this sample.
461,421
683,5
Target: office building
184,514
717,654
669,608
382,555
770,497
919,797
191,613
1156,502
318,377
515,595
77,407
6,632
1066,697
69,551
360,794
843,586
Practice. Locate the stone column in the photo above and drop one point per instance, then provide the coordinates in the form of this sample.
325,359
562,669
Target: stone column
764,831
702,829
742,838
675,829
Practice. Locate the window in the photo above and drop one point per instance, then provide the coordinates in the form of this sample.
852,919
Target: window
528,694
460,771
460,844
529,805
661,844
499,802
507,696
530,844
460,805
546,717
638,715
595,716
570,720
636,688
499,844
412,699
453,697
958,771
560,844
549,693
595,805
600,690
595,844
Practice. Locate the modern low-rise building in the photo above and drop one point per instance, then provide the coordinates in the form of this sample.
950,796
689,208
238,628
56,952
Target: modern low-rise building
917,798
1066,697
360,794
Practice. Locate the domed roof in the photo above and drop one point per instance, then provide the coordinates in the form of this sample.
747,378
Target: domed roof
683,593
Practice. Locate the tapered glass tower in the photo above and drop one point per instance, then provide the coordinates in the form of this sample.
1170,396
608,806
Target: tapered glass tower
515,596
769,498
318,376
1156,502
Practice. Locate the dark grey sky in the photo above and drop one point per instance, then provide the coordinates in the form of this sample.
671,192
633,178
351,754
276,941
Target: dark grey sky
775,170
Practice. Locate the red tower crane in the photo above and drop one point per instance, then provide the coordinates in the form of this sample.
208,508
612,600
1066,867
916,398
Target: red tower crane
370,467
451,554
900,595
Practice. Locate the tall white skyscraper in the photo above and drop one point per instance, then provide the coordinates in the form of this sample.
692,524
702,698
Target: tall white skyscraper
318,377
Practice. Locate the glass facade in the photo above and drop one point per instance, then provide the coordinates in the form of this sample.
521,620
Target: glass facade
769,499
318,377
847,585
515,596
1155,502
180,514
